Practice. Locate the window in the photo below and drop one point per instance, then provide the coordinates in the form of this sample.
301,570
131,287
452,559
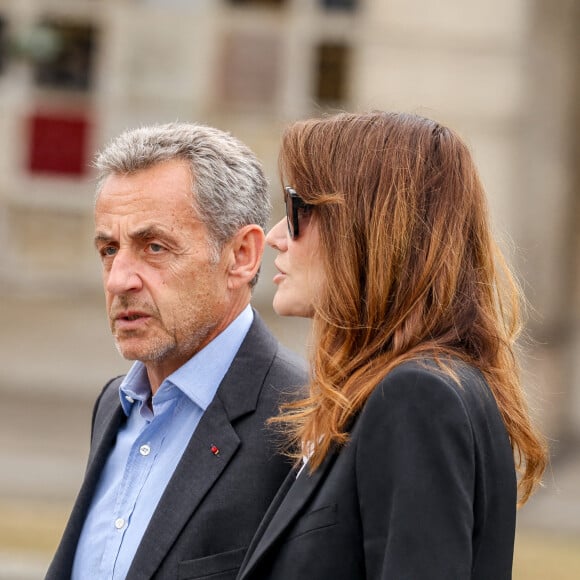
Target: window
273,3
332,73
58,144
67,62
3,44
339,4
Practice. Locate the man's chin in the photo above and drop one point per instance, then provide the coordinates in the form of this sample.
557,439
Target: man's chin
127,353
131,350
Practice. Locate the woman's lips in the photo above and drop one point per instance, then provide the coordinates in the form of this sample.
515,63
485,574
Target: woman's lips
279,276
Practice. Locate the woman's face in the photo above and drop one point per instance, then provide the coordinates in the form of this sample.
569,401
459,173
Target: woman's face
300,274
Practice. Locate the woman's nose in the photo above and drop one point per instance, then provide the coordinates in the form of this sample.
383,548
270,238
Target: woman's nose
277,237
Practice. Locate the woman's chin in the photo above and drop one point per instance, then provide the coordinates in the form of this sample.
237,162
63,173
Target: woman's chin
282,309
292,308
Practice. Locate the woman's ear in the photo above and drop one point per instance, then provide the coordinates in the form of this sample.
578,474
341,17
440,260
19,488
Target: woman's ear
246,250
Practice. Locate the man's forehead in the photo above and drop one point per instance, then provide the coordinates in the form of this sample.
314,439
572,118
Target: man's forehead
169,182
145,208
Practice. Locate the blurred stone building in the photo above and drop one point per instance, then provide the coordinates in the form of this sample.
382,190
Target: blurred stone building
74,73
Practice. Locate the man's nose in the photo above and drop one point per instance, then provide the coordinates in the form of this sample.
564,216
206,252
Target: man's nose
123,275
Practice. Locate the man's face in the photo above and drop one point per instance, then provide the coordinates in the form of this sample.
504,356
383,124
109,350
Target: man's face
166,296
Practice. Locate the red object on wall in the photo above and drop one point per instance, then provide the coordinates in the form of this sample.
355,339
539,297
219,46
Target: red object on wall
58,144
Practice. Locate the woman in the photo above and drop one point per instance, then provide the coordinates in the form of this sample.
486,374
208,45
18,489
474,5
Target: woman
415,409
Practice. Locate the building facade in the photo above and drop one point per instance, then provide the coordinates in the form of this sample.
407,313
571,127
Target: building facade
74,73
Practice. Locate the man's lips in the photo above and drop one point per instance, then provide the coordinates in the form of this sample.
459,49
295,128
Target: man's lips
130,319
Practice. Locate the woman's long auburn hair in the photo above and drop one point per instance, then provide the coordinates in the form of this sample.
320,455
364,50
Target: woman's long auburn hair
411,270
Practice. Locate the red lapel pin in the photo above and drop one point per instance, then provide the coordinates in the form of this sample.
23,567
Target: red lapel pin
214,450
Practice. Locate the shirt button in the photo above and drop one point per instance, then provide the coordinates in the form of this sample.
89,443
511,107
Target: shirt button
144,450
129,399
119,523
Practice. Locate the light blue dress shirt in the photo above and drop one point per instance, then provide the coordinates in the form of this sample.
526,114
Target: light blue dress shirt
147,451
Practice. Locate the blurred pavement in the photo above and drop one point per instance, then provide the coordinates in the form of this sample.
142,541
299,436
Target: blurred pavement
45,411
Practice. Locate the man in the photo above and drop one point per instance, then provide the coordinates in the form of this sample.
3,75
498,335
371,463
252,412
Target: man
182,465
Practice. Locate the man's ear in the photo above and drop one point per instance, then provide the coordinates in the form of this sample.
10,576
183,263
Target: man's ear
245,251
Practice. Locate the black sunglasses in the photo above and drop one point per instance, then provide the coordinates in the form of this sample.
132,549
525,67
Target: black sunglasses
296,208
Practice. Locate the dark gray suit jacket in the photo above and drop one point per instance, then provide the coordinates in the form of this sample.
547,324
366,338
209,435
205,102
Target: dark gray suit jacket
213,503
424,490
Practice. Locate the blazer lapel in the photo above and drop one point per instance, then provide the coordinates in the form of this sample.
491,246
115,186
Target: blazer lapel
284,510
270,512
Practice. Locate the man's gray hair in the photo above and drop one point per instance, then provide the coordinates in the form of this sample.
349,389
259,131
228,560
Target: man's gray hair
229,187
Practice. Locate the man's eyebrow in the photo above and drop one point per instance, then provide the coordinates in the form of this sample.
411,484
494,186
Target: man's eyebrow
148,232
102,238
144,233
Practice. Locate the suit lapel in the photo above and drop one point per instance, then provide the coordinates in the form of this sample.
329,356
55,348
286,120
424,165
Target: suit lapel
200,468
111,417
196,473
98,457
107,420
284,510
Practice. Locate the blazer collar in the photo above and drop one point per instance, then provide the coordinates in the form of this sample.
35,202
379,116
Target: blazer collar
251,364
285,508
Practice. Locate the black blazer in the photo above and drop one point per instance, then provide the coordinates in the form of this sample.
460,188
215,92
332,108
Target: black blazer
213,503
424,490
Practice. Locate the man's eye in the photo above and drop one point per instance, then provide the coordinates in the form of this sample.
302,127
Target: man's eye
156,248
108,251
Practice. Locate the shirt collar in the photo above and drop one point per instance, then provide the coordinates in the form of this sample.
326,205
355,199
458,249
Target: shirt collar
200,377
